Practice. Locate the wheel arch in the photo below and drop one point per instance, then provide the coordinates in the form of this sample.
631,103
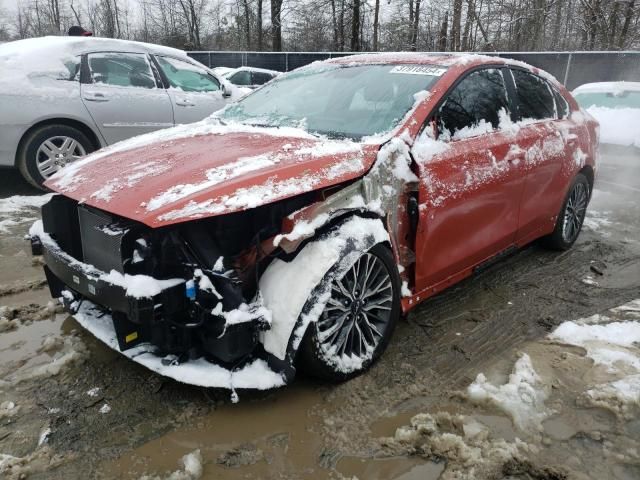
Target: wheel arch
296,329
91,134
588,172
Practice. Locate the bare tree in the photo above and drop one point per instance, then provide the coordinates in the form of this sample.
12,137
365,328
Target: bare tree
376,24
276,25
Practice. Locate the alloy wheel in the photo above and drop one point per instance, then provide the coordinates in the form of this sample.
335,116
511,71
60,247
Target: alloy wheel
574,212
55,152
358,312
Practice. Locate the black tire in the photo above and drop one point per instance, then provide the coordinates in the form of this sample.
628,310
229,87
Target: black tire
29,158
314,358
574,209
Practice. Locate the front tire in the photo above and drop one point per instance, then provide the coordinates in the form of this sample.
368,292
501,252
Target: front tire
358,320
571,216
49,148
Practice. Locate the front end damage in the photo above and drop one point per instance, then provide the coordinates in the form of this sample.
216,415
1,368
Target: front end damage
185,293
190,300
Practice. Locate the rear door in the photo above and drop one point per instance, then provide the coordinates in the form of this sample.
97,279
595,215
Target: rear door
544,137
470,181
121,92
195,93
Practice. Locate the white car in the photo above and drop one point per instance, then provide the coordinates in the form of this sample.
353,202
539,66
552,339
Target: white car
616,106
63,97
251,77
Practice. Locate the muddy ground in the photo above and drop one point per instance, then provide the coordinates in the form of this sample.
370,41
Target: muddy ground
71,408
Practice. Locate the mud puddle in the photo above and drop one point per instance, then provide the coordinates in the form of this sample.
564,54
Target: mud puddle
399,468
263,438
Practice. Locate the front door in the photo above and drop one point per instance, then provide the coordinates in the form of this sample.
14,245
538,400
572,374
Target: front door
470,180
123,97
194,92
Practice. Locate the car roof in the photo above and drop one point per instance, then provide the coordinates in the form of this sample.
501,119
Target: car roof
256,69
461,61
608,87
421,58
60,46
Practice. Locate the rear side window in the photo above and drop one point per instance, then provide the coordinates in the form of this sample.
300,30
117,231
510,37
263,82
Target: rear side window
121,69
260,78
473,107
241,78
534,96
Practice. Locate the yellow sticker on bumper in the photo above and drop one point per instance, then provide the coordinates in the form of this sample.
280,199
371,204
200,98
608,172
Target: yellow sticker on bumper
131,337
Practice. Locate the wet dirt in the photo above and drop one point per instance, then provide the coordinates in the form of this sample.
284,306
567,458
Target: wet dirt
82,411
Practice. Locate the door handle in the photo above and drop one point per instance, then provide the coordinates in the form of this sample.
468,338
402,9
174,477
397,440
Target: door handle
95,97
184,102
515,154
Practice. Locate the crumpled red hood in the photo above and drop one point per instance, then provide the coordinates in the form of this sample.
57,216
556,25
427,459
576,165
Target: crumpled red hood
206,175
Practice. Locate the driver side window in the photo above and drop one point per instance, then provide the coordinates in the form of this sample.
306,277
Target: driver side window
473,107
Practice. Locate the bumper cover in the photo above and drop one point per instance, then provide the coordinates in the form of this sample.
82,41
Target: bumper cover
199,372
99,305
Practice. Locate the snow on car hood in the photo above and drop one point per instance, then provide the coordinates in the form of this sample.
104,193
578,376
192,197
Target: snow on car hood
215,171
618,126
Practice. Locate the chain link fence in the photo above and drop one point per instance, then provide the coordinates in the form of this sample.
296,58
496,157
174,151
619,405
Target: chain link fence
571,68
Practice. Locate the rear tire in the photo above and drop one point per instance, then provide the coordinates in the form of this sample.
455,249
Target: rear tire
571,216
358,320
47,149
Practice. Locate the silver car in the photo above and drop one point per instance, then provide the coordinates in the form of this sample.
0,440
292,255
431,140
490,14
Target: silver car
63,97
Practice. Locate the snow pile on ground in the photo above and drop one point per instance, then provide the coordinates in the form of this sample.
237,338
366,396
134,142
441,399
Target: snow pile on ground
522,397
41,460
190,469
612,341
20,209
619,126
8,409
463,442
71,352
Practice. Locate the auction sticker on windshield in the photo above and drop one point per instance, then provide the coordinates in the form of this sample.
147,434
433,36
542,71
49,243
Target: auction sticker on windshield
419,70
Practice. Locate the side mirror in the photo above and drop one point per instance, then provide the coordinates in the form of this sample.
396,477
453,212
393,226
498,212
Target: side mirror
226,92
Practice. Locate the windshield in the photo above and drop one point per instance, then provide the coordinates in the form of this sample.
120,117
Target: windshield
337,101
622,99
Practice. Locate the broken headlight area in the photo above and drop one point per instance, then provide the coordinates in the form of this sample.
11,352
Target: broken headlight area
190,290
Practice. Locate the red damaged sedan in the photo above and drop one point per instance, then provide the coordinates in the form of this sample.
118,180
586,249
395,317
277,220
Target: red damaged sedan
296,226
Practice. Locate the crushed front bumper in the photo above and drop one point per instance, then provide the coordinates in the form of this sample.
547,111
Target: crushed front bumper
64,271
131,325
255,375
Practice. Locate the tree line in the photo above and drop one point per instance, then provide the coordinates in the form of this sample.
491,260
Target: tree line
340,25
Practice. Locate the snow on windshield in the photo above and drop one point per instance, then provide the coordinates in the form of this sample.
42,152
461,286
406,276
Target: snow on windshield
338,101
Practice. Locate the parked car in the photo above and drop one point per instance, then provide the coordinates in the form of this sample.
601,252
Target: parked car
64,97
298,224
222,71
616,106
250,77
